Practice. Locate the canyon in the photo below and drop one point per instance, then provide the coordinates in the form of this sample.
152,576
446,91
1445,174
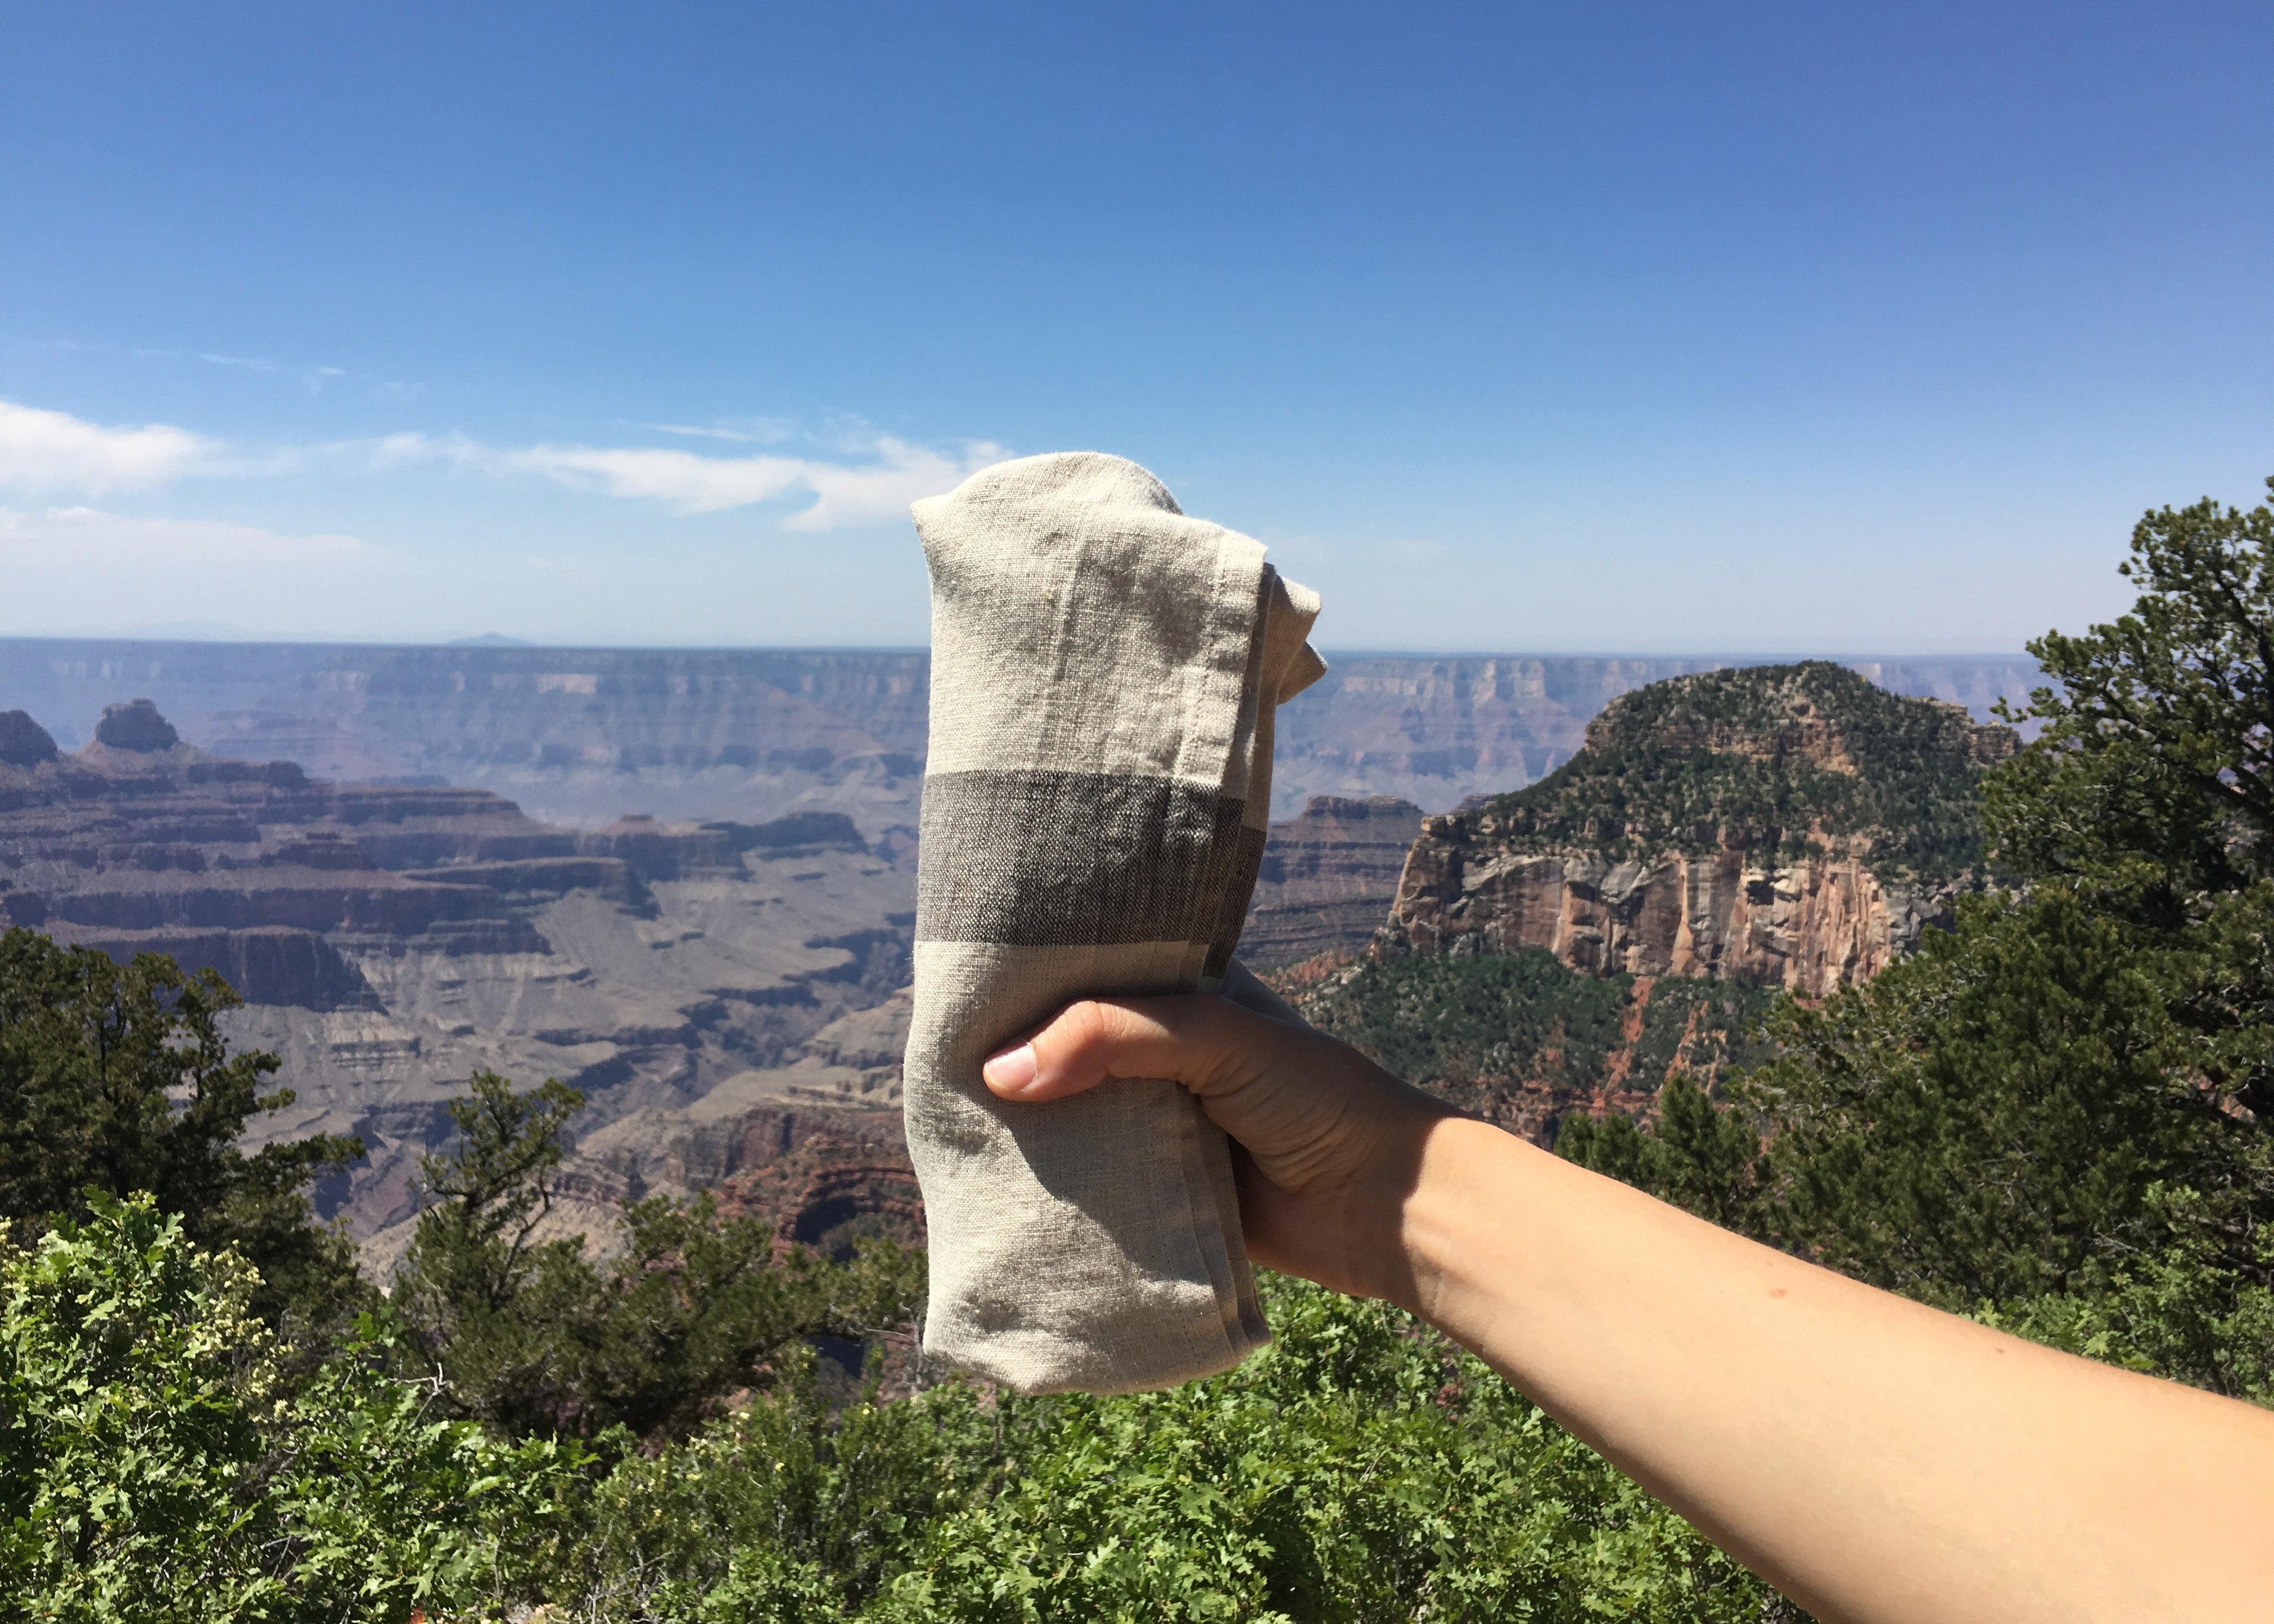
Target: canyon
684,880
724,993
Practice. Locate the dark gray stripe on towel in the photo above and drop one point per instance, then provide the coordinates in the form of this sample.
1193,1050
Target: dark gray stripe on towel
1082,859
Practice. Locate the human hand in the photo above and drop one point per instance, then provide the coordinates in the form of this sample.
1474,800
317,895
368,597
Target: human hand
1333,1143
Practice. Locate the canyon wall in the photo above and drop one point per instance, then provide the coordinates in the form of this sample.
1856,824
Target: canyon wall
1788,826
724,993
1327,878
1806,926
684,880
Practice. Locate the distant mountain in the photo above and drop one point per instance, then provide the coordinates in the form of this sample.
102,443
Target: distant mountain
1788,825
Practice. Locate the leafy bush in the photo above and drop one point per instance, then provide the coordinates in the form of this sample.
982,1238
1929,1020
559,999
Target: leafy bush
1360,1469
154,1466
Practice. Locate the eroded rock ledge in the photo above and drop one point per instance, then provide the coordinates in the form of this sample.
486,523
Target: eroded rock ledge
1792,826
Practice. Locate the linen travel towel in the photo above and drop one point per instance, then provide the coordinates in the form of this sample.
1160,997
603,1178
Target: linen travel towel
1103,675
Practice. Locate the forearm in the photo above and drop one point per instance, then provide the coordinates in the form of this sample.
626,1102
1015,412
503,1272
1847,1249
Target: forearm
1875,1459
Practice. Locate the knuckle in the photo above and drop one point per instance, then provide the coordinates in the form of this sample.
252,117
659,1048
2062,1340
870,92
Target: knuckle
1080,1033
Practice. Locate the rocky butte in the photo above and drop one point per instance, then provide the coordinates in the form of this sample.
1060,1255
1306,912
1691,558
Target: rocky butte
1791,826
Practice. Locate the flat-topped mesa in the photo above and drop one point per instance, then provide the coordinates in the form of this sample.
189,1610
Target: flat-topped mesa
1790,825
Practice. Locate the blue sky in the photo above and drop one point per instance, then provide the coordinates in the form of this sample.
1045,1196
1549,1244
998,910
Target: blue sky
1644,327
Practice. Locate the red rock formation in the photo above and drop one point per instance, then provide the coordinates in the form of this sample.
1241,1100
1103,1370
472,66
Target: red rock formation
1805,926
831,1186
1791,826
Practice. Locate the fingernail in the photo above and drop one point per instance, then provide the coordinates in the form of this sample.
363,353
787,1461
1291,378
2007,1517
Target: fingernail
1011,1070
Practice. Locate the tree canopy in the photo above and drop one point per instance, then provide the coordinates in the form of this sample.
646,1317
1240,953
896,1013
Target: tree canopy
116,1078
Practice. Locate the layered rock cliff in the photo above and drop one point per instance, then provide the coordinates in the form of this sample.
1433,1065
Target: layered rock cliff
721,991
710,975
1327,877
1792,826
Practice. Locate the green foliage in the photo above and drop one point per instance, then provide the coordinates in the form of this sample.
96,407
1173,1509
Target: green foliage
783,1508
2181,1311
117,1079
1468,1028
2151,791
2153,776
1695,1154
693,1305
1982,1122
1360,1469
131,1377
1760,756
475,1249
154,1466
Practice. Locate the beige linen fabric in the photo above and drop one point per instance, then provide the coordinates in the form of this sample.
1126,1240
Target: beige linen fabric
1103,675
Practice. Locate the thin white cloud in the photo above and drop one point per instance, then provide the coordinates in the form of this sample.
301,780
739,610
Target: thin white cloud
79,538
865,492
391,451
756,432
878,488
55,451
867,495
871,480
251,364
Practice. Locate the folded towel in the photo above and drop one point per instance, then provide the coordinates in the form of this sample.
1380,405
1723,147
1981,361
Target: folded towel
1103,675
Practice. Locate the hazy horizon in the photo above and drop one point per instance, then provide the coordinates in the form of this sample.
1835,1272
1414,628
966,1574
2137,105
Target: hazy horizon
235,636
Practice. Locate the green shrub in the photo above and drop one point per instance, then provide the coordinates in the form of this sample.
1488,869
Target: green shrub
1361,1468
153,1466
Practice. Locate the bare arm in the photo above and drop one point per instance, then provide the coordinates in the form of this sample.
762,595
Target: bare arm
1874,1459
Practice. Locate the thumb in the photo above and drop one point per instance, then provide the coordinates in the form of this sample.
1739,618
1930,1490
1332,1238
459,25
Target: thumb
1177,1038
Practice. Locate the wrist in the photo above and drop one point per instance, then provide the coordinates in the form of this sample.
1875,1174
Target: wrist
1458,1160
